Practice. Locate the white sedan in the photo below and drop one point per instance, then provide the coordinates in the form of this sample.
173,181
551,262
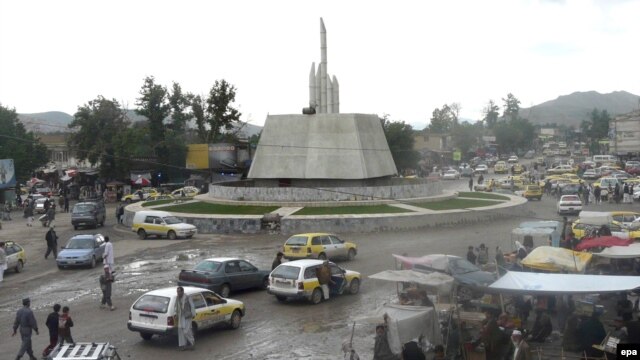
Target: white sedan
451,175
482,169
569,204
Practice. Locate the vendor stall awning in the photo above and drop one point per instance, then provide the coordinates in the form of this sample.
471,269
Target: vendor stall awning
539,283
621,252
603,241
435,280
550,258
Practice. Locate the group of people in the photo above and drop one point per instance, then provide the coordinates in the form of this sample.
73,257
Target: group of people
58,323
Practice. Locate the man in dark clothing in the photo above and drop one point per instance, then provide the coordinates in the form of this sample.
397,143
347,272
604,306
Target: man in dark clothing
541,327
496,341
106,283
381,348
596,194
471,183
323,273
616,193
471,256
47,204
277,261
591,332
27,323
52,243
66,203
52,325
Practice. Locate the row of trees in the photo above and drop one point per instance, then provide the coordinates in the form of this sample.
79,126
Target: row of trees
103,133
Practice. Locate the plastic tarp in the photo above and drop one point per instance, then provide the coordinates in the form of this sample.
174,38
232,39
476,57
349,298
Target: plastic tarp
541,283
545,228
407,323
621,252
435,261
595,217
434,280
602,241
550,258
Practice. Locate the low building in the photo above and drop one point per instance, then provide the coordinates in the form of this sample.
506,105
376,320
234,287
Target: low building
624,134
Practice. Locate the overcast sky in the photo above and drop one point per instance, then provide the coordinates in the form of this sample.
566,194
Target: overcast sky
402,58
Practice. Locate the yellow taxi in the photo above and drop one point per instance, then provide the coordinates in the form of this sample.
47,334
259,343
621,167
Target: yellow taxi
573,177
297,280
16,257
625,217
532,192
135,196
517,169
500,168
154,312
579,229
321,246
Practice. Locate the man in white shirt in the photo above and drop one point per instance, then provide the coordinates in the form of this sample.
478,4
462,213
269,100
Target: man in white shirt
108,254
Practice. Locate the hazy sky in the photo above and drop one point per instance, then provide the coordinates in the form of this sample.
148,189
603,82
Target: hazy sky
402,58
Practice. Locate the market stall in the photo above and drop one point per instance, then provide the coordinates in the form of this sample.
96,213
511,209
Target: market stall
554,259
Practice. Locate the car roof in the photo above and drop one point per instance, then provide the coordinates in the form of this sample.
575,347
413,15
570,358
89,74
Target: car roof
222,259
312,234
304,263
169,291
85,236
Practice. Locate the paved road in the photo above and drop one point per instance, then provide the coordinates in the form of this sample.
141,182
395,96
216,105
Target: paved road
270,330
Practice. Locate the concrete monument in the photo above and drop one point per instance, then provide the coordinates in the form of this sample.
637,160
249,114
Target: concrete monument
324,92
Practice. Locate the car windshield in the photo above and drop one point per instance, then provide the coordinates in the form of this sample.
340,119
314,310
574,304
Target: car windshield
286,272
80,243
570,198
83,208
208,266
461,266
297,241
172,220
152,303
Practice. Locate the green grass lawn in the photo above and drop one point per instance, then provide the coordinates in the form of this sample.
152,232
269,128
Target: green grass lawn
209,208
482,195
157,202
454,204
341,210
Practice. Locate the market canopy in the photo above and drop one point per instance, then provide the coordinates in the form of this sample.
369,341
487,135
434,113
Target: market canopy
621,252
603,241
435,261
542,283
433,280
550,258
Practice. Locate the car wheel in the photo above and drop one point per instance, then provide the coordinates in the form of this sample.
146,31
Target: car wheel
235,320
354,287
60,267
19,266
265,282
281,298
171,235
322,256
225,290
93,262
465,293
316,296
146,336
351,254
142,234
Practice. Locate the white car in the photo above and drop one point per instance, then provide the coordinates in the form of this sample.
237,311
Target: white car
590,174
154,312
569,204
512,159
482,169
451,175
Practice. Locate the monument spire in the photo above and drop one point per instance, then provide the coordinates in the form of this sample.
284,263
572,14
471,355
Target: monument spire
323,67
324,93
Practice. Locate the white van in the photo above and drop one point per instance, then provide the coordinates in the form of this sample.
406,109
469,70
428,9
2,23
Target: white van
603,159
160,223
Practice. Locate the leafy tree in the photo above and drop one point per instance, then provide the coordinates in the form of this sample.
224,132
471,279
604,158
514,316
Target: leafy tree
216,111
511,107
16,143
596,127
465,136
454,109
179,103
514,135
400,139
491,114
441,120
96,127
153,104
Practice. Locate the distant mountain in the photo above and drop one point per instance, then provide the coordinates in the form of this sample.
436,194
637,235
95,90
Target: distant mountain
57,121
572,109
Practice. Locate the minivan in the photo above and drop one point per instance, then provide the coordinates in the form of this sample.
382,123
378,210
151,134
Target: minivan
161,223
88,213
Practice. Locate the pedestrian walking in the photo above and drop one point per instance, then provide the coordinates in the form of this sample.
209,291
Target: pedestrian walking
66,203
625,193
107,257
27,324
51,215
323,273
106,282
119,213
185,312
483,255
3,262
52,242
28,213
52,325
47,204
587,193
471,183
616,193
65,323
277,261
596,193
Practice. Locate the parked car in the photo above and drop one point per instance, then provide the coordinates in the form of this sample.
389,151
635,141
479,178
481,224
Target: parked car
466,172
561,169
81,250
590,174
140,195
224,275
512,159
482,169
161,223
470,279
159,197
626,218
569,204
88,213
451,175
39,201
187,191
500,168
321,246
16,256
153,313
297,280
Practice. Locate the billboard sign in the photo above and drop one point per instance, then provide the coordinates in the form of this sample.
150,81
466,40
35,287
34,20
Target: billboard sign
7,174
